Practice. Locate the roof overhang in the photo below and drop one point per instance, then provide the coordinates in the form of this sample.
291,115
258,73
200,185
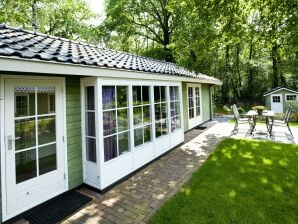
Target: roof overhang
49,67
283,88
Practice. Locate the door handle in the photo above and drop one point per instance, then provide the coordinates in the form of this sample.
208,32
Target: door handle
10,140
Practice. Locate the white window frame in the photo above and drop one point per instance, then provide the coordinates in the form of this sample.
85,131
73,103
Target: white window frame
112,170
143,126
197,119
286,95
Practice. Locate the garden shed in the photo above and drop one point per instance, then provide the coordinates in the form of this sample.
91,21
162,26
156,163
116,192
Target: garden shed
279,98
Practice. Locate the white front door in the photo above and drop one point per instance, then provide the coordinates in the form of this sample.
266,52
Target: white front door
276,103
34,152
194,105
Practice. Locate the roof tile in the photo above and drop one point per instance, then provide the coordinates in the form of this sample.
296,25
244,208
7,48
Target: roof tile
31,45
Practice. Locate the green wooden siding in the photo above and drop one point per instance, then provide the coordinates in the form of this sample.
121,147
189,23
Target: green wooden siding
205,104
73,123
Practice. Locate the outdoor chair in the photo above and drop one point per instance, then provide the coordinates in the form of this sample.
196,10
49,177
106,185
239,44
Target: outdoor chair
283,122
240,119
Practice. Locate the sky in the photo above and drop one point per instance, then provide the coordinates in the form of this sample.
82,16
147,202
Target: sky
97,6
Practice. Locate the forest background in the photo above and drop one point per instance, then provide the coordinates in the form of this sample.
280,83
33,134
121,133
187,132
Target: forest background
250,45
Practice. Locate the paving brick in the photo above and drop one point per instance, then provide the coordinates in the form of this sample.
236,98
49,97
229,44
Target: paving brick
142,194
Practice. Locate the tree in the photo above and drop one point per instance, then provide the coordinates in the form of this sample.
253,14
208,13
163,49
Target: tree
145,22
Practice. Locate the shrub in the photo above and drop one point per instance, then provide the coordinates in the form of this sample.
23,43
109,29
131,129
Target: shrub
226,109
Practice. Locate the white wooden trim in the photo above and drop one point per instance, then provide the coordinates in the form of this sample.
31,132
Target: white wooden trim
48,67
291,95
280,90
196,120
2,142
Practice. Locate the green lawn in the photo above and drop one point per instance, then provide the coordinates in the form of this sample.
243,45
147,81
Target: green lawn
242,182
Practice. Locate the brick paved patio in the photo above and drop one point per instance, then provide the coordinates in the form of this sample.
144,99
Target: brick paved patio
137,198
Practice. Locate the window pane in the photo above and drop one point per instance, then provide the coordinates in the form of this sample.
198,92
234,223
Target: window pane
145,94
24,101
110,147
174,94
173,109
90,124
122,96
108,97
197,101
158,129
52,103
46,130
122,119
123,139
109,122
191,112
137,95
24,133
146,114
163,93
25,165
156,94
43,99
177,107
198,111
147,133
47,158
137,116
164,124
157,109
190,92
91,149
90,102
190,102
164,110
138,136
175,123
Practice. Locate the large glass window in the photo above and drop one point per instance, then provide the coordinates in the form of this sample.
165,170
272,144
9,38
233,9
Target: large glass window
141,114
194,102
90,124
191,109
160,108
175,108
35,131
198,103
115,121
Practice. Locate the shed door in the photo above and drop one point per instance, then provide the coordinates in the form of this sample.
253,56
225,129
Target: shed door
34,128
276,103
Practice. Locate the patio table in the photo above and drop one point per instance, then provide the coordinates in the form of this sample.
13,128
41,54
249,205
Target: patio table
269,114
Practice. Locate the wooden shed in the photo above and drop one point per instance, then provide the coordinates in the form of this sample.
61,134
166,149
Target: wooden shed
278,98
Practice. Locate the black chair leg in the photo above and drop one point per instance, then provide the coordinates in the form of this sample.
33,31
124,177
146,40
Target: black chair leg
290,131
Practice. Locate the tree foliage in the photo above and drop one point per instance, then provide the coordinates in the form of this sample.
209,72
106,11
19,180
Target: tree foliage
250,45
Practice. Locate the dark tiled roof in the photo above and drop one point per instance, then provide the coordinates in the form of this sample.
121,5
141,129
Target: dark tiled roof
20,43
279,88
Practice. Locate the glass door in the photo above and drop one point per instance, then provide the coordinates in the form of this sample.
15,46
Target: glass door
35,145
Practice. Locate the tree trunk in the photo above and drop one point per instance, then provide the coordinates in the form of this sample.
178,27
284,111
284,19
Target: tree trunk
250,78
34,15
274,78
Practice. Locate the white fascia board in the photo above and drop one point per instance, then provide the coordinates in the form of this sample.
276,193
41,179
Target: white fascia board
280,90
46,67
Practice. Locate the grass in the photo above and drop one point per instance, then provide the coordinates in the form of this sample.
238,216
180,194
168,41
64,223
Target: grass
243,181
